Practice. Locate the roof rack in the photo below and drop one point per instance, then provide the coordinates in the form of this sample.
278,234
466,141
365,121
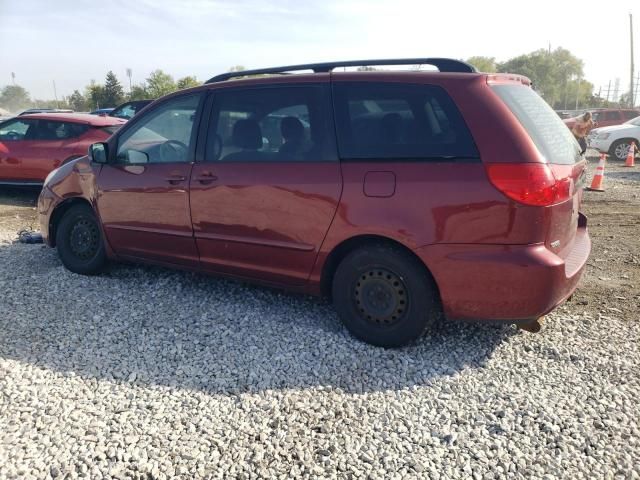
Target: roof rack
442,64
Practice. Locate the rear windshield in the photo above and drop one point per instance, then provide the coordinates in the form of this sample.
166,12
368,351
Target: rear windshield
548,132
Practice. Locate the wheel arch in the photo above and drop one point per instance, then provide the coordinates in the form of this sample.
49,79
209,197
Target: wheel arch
340,251
59,212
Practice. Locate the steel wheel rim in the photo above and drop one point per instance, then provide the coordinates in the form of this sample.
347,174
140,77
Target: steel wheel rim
380,297
84,239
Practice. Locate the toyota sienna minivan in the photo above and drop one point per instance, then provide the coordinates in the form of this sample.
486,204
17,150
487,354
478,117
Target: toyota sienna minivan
400,195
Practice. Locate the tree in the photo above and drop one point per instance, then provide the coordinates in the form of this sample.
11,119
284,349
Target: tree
14,98
483,64
95,95
160,84
237,68
139,92
187,82
77,101
551,73
113,93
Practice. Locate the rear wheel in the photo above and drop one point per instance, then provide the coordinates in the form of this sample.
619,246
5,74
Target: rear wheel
79,241
620,149
384,296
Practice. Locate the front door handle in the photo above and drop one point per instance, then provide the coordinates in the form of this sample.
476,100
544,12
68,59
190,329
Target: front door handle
176,179
206,177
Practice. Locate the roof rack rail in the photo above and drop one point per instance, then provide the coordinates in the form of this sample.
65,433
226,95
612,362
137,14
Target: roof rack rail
442,64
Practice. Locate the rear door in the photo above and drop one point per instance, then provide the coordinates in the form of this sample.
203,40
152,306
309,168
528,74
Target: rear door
266,193
143,196
561,151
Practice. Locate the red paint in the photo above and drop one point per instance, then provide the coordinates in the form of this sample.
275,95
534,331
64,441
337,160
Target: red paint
32,160
279,223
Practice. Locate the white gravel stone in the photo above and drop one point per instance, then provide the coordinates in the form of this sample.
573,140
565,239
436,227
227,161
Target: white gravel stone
150,373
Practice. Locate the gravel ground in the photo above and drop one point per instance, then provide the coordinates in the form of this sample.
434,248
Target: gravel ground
147,373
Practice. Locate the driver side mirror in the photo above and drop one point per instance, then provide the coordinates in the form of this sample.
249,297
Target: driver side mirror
98,152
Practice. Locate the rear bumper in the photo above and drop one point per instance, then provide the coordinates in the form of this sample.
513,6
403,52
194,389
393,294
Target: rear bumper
505,282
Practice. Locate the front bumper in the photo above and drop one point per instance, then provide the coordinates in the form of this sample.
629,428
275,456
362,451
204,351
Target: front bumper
515,283
600,145
47,202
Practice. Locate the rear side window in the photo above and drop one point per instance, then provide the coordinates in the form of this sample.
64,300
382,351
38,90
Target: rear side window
399,121
629,114
54,130
550,135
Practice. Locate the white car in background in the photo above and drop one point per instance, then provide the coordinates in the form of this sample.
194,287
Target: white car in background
616,139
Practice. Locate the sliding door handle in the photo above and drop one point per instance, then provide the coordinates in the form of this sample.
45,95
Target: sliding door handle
206,178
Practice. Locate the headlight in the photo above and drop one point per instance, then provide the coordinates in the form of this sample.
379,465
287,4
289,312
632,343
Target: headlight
603,136
50,176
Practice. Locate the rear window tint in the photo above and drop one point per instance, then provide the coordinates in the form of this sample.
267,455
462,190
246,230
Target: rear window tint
399,121
548,132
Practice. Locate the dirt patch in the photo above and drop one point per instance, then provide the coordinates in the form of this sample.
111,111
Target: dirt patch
17,211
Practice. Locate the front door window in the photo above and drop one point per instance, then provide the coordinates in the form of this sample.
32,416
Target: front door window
166,135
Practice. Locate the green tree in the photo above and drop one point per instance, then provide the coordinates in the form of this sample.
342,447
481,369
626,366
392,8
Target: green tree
483,64
113,93
77,101
14,98
237,68
95,95
552,74
139,92
160,84
187,82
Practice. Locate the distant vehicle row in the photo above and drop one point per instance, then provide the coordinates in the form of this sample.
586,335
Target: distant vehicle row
40,140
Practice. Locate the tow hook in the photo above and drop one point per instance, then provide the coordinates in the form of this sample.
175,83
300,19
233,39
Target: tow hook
533,327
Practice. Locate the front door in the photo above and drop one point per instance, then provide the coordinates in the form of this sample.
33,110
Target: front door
265,196
143,198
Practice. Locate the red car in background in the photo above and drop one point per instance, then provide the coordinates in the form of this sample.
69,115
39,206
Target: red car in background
606,117
31,146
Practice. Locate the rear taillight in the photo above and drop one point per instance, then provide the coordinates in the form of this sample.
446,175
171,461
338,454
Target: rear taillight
537,184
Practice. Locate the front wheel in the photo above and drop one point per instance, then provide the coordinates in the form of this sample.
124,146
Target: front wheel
384,296
79,241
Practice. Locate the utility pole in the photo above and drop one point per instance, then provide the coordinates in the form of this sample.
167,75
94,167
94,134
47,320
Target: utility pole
631,90
608,91
55,94
129,72
13,78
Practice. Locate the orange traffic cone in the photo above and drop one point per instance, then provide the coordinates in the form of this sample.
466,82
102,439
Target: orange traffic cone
631,156
598,177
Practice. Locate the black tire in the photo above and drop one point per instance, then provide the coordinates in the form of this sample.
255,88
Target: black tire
384,296
620,149
79,241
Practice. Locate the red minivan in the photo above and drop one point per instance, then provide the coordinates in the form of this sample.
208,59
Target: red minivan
399,194
33,145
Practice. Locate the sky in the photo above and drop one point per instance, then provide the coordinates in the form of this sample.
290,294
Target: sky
72,42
